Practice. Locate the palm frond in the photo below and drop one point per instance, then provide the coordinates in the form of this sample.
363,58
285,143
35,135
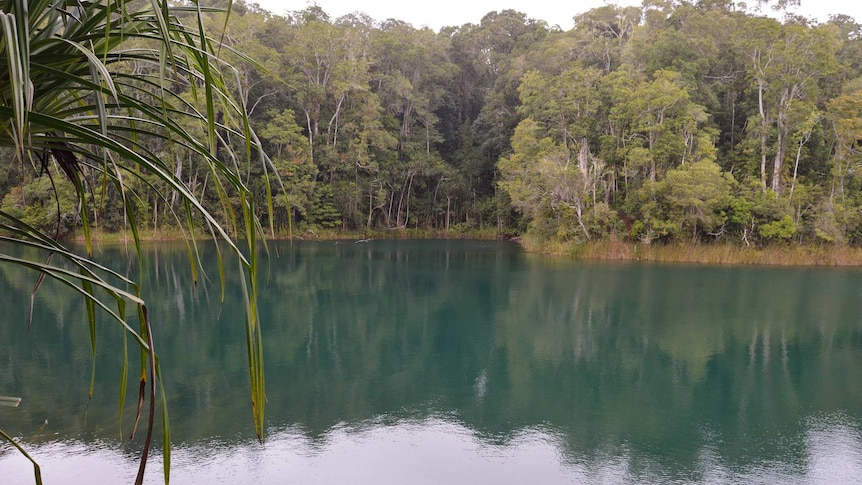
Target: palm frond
67,92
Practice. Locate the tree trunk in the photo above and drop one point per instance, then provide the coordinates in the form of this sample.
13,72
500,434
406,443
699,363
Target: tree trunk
409,188
310,134
780,150
763,131
777,162
334,121
370,207
584,157
802,141
178,173
448,207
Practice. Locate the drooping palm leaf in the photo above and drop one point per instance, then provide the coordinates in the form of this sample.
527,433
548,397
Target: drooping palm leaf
68,93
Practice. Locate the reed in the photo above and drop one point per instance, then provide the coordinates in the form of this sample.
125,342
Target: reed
601,250
703,253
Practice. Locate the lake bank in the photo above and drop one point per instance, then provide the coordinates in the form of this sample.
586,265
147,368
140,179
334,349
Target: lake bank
701,253
601,250
173,234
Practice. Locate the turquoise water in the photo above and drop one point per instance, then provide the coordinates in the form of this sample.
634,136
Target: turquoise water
455,362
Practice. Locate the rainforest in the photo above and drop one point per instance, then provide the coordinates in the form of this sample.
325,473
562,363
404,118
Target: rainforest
673,122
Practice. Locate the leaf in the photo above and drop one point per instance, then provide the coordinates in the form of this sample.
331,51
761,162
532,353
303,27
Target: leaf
37,472
68,96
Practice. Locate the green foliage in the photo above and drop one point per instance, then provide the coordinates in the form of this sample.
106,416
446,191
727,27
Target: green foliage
740,211
780,230
285,135
835,222
692,200
38,205
669,121
651,222
322,212
602,221
409,126
698,195
118,97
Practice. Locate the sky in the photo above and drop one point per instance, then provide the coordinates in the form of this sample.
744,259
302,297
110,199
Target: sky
438,13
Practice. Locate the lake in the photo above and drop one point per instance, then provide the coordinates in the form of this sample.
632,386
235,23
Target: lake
453,362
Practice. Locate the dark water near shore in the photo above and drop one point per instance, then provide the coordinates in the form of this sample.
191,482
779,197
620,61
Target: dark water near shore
455,362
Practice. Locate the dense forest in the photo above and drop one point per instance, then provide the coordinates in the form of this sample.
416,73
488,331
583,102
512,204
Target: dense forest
674,121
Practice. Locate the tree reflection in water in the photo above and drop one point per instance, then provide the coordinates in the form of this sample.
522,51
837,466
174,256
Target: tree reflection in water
449,355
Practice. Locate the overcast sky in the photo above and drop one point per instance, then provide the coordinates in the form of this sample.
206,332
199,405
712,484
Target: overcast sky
439,13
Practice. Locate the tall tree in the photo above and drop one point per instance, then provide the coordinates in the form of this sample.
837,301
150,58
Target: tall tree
784,65
663,123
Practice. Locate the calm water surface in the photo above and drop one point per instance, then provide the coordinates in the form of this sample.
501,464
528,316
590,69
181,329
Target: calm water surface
397,362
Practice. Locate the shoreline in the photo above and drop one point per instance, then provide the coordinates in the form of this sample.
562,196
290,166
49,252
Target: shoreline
149,235
721,253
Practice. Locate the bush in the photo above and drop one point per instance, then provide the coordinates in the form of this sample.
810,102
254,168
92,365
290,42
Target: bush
781,230
602,221
36,202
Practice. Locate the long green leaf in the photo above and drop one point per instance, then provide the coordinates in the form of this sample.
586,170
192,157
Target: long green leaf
37,472
91,323
63,85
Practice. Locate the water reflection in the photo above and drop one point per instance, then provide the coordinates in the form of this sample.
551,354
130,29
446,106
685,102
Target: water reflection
434,450
464,362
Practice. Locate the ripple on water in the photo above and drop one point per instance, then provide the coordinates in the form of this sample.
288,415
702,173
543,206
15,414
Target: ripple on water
431,451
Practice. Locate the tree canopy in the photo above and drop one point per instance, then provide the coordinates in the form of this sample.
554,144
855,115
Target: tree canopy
667,122
381,125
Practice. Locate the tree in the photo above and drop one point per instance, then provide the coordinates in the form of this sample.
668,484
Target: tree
412,72
698,195
293,162
492,56
603,32
663,123
845,112
784,64
72,95
540,176
692,199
